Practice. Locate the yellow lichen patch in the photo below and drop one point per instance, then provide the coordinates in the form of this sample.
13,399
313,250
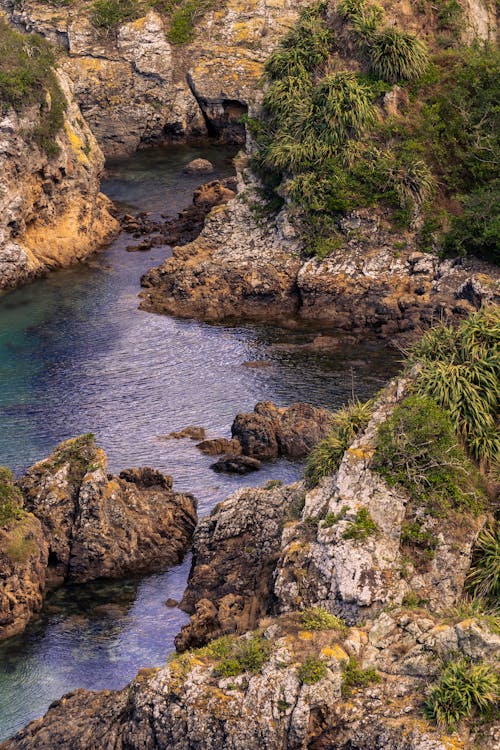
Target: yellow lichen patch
305,635
335,652
363,453
452,743
76,143
111,488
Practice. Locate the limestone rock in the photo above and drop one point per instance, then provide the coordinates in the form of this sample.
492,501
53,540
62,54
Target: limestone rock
23,559
51,211
102,526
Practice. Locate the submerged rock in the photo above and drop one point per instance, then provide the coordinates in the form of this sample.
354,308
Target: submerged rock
199,166
191,432
102,526
236,464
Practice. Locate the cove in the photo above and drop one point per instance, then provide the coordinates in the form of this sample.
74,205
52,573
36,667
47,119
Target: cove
77,355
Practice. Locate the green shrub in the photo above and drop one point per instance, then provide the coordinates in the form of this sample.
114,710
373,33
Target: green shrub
243,655
476,231
184,18
362,527
317,618
106,14
484,575
311,671
463,691
414,535
460,370
353,676
397,56
11,500
331,518
417,449
27,77
325,458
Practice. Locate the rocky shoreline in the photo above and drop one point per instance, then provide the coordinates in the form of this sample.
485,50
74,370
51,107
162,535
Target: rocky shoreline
246,265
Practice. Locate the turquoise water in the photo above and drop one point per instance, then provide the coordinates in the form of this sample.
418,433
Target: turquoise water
76,355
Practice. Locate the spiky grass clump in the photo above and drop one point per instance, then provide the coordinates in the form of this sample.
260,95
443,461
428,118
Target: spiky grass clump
325,458
464,690
342,108
484,575
460,370
397,56
243,655
304,48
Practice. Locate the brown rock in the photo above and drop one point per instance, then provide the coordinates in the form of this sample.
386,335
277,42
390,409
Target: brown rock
199,166
191,432
236,465
23,559
102,526
218,446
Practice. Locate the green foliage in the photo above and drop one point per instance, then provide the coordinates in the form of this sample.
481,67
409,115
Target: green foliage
413,600
272,484
27,78
459,369
464,690
11,500
353,676
331,518
484,575
184,18
413,534
397,56
417,449
478,607
311,671
325,458
304,48
317,618
80,453
362,527
242,655
106,14
476,231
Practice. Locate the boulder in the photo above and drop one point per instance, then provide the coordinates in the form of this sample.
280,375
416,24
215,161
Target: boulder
98,525
236,465
199,166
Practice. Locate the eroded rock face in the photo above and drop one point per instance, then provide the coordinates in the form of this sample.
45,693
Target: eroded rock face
51,211
242,266
23,560
186,705
102,526
134,86
233,560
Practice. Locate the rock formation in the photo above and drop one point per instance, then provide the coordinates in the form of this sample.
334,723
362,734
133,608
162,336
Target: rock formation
102,526
23,560
246,266
51,211
134,86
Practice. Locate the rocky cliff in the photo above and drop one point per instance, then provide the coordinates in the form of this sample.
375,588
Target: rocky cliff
134,86
284,563
52,213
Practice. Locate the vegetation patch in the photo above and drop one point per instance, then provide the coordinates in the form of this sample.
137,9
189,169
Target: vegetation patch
238,655
80,453
460,370
331,518
27,78
353,676
414,535
417,449
311,671
326,141
464,691
11,499
347,423
317,618
20,544
362,527
484,576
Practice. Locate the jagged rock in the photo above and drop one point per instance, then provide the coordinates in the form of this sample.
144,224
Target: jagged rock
270,431
51,211
102,526
244,266
199,166
233,557
23,560
191,432
218,446
236,464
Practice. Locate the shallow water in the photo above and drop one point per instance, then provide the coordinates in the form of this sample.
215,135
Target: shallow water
76,355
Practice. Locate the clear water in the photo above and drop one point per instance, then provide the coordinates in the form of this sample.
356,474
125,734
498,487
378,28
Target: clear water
76,355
